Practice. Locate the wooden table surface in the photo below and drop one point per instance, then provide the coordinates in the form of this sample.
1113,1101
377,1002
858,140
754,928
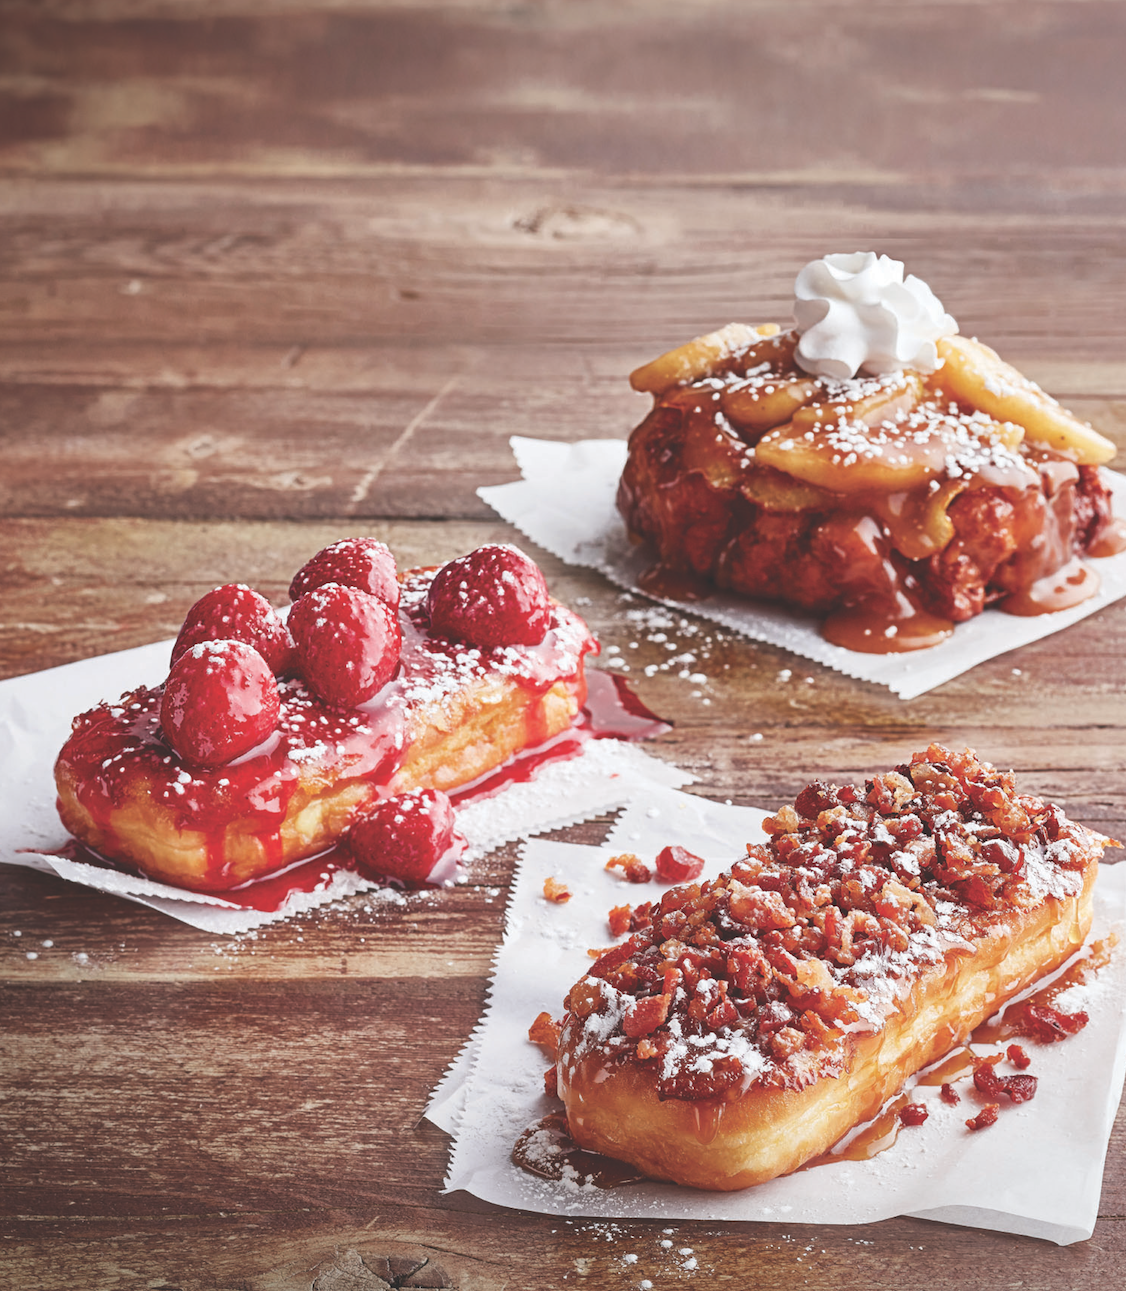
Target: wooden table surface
277,271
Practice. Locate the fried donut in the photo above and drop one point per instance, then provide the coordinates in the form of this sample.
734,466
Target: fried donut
765,1013
891,506
452,712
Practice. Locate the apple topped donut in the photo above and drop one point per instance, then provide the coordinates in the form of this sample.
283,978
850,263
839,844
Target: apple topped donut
867,464
274,734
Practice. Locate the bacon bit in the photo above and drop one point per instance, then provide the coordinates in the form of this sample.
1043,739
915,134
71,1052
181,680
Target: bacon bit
786,1041
913,1113
1018,1089
545,1032
633,868
619,920
642,916
551,1082
758,909
646,1015
678,865
748,967
555,891
949,1094
1046,1024
722,1015
606,960
1018,1057
985,1118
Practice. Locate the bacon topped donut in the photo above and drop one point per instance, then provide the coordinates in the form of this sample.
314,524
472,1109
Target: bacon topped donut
764,1013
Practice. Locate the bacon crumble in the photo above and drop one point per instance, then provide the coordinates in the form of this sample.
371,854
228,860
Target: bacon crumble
555,891
762,973
631,868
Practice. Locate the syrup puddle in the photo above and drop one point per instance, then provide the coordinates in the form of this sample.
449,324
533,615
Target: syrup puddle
611,711
877,1136
547,1150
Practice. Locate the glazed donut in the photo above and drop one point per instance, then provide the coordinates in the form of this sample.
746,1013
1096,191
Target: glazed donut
764,1014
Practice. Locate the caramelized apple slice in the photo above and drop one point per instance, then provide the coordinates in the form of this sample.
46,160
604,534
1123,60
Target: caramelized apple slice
883,445
698,358
973,373
917,522
765,402
774,491
857,446
892,400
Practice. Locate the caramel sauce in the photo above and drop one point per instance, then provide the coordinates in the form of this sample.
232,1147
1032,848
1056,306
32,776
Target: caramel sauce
955,1065
1070,585
1011,1020
1110,540
869,630
547,1150
876,1137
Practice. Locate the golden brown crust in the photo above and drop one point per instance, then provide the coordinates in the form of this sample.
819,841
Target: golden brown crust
850,952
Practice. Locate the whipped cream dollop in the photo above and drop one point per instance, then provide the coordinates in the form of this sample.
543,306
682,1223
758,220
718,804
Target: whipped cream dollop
857,313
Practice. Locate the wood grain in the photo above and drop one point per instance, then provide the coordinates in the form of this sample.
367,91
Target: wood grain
276,271
884,91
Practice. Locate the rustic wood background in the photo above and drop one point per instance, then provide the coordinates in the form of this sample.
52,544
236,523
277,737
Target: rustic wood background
276,271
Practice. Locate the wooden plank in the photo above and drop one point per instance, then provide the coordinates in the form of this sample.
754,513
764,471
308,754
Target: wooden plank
316,90
281,270
417,440
436,263
417,446
486,1249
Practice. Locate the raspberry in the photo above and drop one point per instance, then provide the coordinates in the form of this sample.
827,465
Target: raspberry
678,865
235,612
404,837
364,563
494,596
220,700
348,643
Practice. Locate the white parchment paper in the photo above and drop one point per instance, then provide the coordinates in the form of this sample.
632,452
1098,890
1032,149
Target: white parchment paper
565,503
1037,1171
35,718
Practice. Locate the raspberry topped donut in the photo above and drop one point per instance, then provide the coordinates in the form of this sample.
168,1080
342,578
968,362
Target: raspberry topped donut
269,738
